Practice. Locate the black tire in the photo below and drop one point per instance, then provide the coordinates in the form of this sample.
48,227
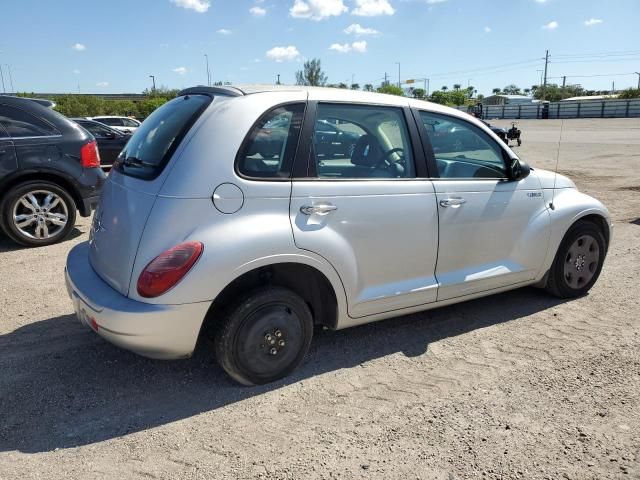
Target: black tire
11,204
573,275
519,142
265,336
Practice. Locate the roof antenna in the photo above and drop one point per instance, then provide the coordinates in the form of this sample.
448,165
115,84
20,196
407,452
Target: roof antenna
555,173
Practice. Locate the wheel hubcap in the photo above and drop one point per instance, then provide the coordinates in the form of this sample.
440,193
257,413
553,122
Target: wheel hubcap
581,261
40,214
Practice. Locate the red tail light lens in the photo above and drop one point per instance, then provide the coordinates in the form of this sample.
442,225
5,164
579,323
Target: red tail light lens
89,155
168,268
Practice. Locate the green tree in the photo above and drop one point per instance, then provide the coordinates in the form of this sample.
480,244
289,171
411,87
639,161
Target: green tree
444,88
391,90
630,93
456,86
511,90
311,74
368,87
419,93
496,91
355,86
440,97
342,85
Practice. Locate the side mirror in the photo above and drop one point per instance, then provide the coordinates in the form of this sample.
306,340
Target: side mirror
518,169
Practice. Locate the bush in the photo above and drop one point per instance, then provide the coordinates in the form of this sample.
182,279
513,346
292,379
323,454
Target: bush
391,90
630,93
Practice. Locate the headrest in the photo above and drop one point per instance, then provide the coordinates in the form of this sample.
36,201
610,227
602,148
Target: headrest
367,152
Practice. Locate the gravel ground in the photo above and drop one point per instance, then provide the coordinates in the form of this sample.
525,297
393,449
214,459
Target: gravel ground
518,385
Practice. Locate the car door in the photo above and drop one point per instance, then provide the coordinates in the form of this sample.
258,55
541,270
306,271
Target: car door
493,232
370,214
8,160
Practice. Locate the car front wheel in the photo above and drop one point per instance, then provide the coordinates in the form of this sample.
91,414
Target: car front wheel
37,214
265,336
578,261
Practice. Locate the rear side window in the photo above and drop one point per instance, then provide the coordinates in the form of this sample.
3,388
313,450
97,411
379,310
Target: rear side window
112,122
151,146
270,147
20,124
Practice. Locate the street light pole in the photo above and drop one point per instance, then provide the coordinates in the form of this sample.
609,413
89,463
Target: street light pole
638,73
154,82
208,72
398,63
2,78
13,90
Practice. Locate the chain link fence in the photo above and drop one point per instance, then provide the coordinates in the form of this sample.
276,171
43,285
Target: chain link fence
583,109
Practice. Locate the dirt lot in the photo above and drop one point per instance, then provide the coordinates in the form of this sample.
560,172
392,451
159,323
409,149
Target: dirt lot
519,385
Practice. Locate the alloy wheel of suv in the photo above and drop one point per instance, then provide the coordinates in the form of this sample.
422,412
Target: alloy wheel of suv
38,213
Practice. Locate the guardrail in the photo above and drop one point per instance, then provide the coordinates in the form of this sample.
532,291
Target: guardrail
583,109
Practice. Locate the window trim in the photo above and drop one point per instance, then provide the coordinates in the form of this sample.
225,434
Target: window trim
43,120
430,155
247,138
420,165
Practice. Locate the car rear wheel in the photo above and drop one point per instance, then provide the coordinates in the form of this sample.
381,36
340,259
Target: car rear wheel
265,336
37,214
578,261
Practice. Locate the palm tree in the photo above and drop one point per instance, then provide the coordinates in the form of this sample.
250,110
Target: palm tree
456,86
496,91
355,86
527,91
368,87
444,88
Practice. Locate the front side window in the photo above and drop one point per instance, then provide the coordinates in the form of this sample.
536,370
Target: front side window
96,130
362,142
461,149
151,146
112,122
19,123
130,123
270,147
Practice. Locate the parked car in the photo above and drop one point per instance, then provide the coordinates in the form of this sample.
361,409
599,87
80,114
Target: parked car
49,167
110,141
122,124
196,235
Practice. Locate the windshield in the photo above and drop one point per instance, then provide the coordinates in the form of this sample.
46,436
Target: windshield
153,143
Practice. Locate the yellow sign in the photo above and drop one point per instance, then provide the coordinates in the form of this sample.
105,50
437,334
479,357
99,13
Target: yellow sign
410,81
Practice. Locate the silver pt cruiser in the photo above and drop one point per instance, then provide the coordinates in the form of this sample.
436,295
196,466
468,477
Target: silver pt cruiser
253,214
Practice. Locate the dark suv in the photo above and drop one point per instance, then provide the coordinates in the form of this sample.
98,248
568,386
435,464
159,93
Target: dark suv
49,168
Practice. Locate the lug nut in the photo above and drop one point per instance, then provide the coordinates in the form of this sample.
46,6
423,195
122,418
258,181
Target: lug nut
273,351
281,343
267,337
278,333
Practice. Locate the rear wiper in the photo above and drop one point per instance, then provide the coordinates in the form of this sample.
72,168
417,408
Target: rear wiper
136,162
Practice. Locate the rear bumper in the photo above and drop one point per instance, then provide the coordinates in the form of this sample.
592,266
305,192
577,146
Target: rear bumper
88,205
154,331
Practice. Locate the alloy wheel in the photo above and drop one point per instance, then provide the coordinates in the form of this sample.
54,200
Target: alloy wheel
40,214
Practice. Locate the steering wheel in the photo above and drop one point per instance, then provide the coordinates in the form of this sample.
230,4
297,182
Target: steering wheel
385,157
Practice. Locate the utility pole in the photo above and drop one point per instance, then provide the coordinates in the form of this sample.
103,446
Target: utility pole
564,80
2,78
426,86
208,72
613,88
153,77
386,82
278,80
638,73
13,90
544,85
398,63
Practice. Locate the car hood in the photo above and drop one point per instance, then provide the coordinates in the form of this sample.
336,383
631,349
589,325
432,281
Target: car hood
548,179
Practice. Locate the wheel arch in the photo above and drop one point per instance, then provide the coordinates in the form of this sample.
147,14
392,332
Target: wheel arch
322,290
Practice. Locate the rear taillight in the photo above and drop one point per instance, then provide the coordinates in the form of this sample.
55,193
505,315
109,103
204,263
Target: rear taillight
168,268
89,156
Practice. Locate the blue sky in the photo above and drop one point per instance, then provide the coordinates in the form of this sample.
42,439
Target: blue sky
113,46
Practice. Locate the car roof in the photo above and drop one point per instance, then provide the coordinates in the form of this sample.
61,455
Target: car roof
110,116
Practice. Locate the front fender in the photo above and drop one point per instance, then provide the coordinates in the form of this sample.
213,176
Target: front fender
570,205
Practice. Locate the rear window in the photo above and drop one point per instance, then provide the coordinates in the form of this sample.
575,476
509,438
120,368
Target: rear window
21,124
153,143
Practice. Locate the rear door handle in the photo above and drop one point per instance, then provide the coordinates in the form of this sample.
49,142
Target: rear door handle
318,209
454,202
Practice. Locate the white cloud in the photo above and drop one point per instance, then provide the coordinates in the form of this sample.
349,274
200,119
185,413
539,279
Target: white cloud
76,71
358,47
592,21
487,29
224,31
79,47
102,84
551,25
282,54
541,1
358,30
258,11
199,6
372,8
431,2
317,9
180,70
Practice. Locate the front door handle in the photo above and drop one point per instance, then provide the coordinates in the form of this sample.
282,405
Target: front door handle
454,202
318,209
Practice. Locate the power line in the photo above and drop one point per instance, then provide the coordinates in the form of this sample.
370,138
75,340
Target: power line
597,75
603,60
619,52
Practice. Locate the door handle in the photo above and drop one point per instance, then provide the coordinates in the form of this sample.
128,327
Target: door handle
319,209
454,202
